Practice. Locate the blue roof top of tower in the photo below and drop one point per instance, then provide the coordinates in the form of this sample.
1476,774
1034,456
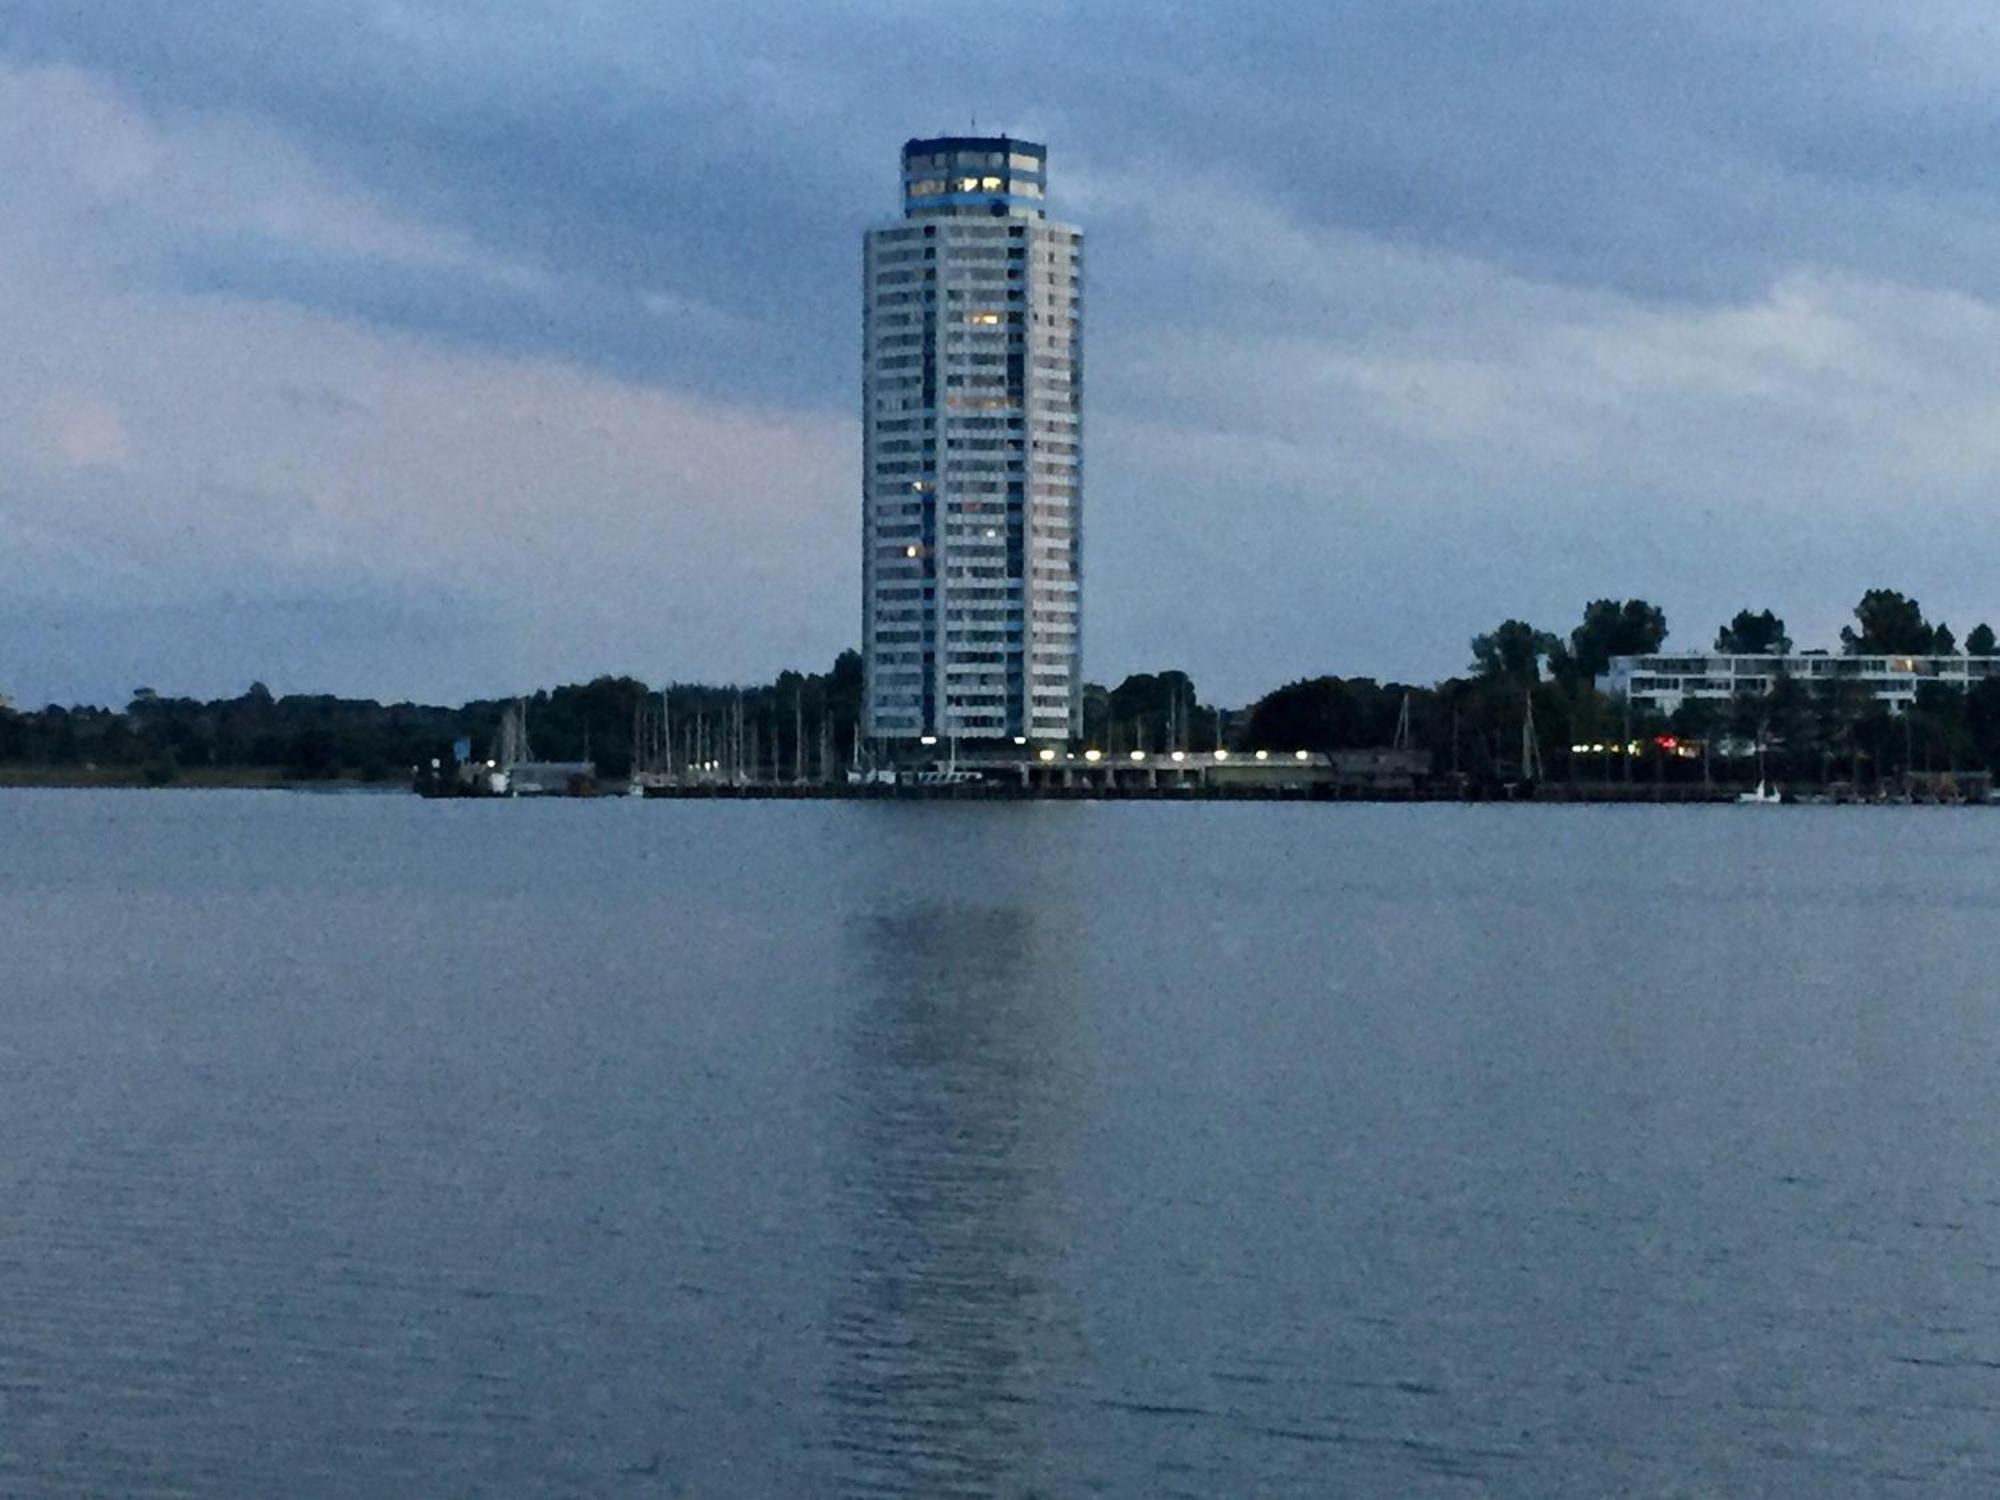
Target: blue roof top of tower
961,175
931,145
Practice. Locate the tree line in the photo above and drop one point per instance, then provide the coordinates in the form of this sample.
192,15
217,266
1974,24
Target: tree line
1470,725
798,720
1806,730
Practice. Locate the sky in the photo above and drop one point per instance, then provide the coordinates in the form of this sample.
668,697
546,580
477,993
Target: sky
447,348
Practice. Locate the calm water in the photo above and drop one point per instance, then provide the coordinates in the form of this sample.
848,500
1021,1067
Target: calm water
361,1146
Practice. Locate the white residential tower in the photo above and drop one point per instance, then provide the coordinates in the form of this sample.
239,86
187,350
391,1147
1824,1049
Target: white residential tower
972,454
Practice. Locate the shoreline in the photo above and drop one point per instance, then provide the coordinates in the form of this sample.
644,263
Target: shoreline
196,779
258,778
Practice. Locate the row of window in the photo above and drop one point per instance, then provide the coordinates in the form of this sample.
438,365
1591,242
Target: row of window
989,182
904,265
1050,235
901,290
1825,666
1054,279
893,294
960,251
945,161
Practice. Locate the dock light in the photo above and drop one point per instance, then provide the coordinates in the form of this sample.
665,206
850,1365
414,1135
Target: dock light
1047,755
1138,755
1180,755
1579,749
1263,755
1093,756
929,739
1222,755
437,765
1020,739
1302,754
493,765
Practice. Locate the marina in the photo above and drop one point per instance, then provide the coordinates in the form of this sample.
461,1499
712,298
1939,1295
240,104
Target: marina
724,762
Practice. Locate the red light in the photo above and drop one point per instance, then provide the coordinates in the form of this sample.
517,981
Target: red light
1666,742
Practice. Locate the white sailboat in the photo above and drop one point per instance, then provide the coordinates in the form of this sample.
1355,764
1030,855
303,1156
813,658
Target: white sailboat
1765,795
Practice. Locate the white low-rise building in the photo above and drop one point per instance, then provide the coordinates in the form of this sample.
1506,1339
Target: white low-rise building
1664,682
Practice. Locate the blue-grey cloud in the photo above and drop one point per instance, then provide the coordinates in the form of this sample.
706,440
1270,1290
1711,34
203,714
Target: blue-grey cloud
730,157
1401,316
1551,84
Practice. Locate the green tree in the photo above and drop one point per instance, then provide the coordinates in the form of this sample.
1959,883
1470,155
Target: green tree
1940,731
1512,651
1148,709
1753,635
1318,713
1839,702
1696,719
1980,642
1982,721
1791,724
1634,628
1880,738
1096,714
1891,625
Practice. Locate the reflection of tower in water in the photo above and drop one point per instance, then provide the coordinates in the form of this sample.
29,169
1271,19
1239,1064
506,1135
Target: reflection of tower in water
948,1329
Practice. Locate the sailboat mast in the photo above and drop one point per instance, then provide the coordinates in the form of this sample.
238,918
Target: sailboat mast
1531,755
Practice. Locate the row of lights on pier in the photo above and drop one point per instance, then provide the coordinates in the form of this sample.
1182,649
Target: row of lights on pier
1094,756
1176,756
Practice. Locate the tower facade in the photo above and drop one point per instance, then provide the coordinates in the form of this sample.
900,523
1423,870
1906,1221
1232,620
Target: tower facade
972,453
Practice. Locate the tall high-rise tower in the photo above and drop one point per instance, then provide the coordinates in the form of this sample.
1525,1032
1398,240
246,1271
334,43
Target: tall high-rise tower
972,453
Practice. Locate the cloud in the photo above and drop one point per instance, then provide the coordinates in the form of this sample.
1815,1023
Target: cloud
1401,317
79,431
99,168
201,454
1391,446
